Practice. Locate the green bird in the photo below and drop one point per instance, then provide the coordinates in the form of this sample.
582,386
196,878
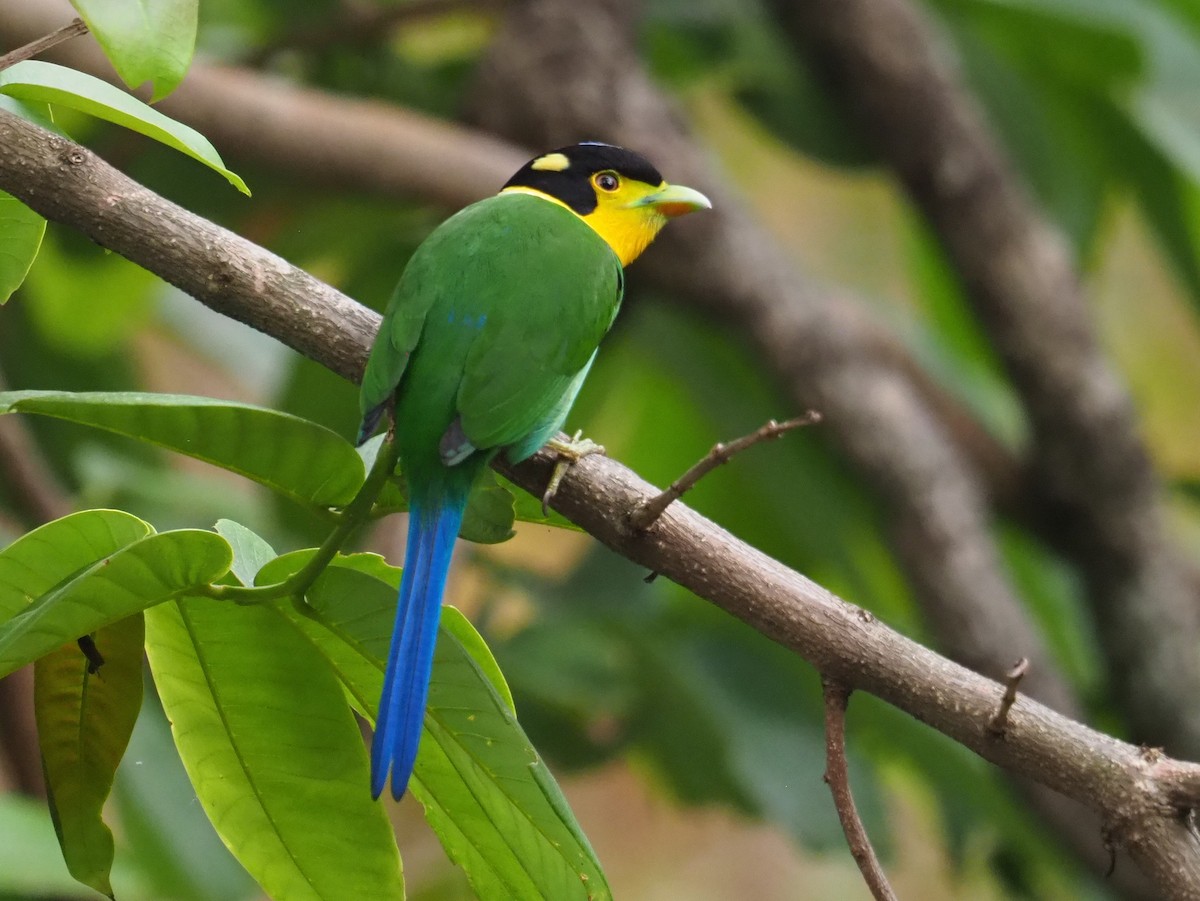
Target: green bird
482,349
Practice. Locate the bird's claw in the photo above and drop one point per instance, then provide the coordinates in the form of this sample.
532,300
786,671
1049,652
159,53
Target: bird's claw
569,453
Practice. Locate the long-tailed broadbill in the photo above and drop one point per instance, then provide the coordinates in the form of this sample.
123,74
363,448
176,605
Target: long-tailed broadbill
483,347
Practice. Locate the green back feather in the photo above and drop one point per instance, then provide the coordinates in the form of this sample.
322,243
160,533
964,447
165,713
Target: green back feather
496,314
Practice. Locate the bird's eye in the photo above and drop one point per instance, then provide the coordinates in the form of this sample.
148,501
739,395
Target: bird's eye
607,181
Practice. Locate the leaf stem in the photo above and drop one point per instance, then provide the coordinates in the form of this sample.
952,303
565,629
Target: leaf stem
348,519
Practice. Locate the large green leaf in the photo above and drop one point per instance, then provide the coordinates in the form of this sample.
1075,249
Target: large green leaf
297,458
21,231
48,83
364,621
250,551
166,837
41,559
155,569
146,40
486,792
84,720
273,751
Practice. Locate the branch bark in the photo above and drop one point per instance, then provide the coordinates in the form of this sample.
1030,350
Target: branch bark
845,643
1101,499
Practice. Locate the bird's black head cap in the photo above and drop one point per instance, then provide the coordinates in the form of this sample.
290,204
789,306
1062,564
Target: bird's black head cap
565,174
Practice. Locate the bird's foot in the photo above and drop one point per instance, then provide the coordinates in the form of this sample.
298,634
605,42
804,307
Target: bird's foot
569,453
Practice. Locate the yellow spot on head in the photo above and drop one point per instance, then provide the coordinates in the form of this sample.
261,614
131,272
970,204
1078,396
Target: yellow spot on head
551,162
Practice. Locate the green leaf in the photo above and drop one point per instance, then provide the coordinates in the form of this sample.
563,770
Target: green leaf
155,569
166,837
41,559
352,608
273,751
490,797
84,721
350,614
297,458
486,792
48,83
488,518
146,40
250,551
527,508
21,231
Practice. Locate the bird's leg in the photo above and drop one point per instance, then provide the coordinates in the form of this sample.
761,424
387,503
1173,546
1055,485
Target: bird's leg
569,453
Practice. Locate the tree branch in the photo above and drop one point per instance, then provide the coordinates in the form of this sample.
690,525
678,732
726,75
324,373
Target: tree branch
837,775
645,515
41,45
68,183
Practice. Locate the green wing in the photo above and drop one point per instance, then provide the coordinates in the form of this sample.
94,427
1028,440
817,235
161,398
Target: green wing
496,315
559,297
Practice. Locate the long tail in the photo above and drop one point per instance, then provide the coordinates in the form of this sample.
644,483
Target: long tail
432,529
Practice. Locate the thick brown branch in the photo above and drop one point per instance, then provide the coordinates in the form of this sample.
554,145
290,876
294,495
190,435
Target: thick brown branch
1100,495
837,776
66,182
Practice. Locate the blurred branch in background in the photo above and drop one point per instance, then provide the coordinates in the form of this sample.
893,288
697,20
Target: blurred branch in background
356,22
1098,496
35,490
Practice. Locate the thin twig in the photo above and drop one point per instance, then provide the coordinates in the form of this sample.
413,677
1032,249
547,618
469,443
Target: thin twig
999,722
42,44
837,777
644,516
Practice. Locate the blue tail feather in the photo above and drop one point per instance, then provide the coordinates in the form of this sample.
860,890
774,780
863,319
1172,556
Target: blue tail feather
432,529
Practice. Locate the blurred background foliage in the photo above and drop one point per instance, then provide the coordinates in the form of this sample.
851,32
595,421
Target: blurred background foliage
690,747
